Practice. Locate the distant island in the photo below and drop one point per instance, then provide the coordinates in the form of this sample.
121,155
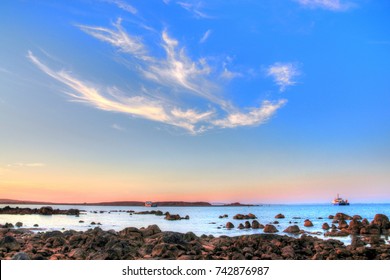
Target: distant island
127,203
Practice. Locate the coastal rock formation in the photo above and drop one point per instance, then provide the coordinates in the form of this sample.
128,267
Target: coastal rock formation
223,216
46,210
342,216
19,224
279,216
381,221
292,229
270,229
256,224
250,216
175,217
240,226
325,226
153,212
308,223
151,243
229,225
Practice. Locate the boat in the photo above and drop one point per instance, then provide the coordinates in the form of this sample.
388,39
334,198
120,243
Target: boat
339,201
150,204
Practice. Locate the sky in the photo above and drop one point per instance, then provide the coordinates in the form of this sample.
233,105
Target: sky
281,101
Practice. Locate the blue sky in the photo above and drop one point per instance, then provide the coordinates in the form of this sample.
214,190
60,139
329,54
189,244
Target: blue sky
256,101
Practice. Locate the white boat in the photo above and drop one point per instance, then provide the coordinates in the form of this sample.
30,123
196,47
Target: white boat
150,204
339,201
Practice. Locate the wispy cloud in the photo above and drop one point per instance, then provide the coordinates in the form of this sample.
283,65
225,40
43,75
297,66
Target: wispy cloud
194,8
205,36
284,74
118,127
21,164
165,83
335,5
123,5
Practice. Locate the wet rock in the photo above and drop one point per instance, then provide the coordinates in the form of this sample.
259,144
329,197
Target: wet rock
288,252
240,226
308,223
19,224
381,221
337,233
36,225
244,217
342,216
229,225
342,224
55,233
355,226
223,216
279,216
331,217
275,222
292,229
270,229
21,256
370,229
46,210
247,224
81,221
325,226
357,217
255,224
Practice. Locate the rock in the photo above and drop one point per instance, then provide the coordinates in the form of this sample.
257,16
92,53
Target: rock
55,233
308,223
270,229
46,210
240,226
342,224
279,216
21,256
357,217
229,225
131,233
19,224
342,216
244,217
275,222
357,242
170,217
36,225
93,223
255,224
247,224
288,252
187,217
292,229
337,233
173,238
81,221
370,229
354,226
365,222
9,243
150,230
381,221
325,226
330,217
74,212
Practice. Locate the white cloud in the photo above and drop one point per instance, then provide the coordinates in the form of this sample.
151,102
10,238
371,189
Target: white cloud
205,36
335,5
194,8
118,127
20,164
123,5
165,83
283,74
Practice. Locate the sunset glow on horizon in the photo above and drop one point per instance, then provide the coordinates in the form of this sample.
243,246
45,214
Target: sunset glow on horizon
251,101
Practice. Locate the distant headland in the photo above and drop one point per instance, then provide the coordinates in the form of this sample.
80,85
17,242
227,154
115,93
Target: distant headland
128,203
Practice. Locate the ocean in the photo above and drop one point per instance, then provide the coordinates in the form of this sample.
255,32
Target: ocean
203,220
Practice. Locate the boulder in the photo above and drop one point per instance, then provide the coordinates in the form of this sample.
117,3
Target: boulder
229,225
288,252
325,226
255,224
308,223
292,229
240,226
330,217
342,216
270,229
150,230
357,217
354,226
250,216
279,216
342,224
19,224
21,256
247,224
9,243
46,210
381,221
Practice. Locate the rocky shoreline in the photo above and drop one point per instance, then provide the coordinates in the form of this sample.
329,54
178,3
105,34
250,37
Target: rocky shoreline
151,243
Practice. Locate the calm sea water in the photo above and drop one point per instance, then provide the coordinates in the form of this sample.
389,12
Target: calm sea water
203,220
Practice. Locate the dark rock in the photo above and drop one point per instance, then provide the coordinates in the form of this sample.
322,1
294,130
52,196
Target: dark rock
342,216
9,243
255,224
21,256
81,221
342,224
19,224
54,233
270,229
292,229
36,225
150,230
279,216
308,223
240,226
325,226
381,221
229,225
247,224
46,210
331,217
288,252
244,217
357,217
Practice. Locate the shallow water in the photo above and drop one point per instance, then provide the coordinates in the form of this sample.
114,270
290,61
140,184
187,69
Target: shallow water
203,220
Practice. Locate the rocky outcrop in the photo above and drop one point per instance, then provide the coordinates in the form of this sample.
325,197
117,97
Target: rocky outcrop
46,210
270,229
244,217
292,229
